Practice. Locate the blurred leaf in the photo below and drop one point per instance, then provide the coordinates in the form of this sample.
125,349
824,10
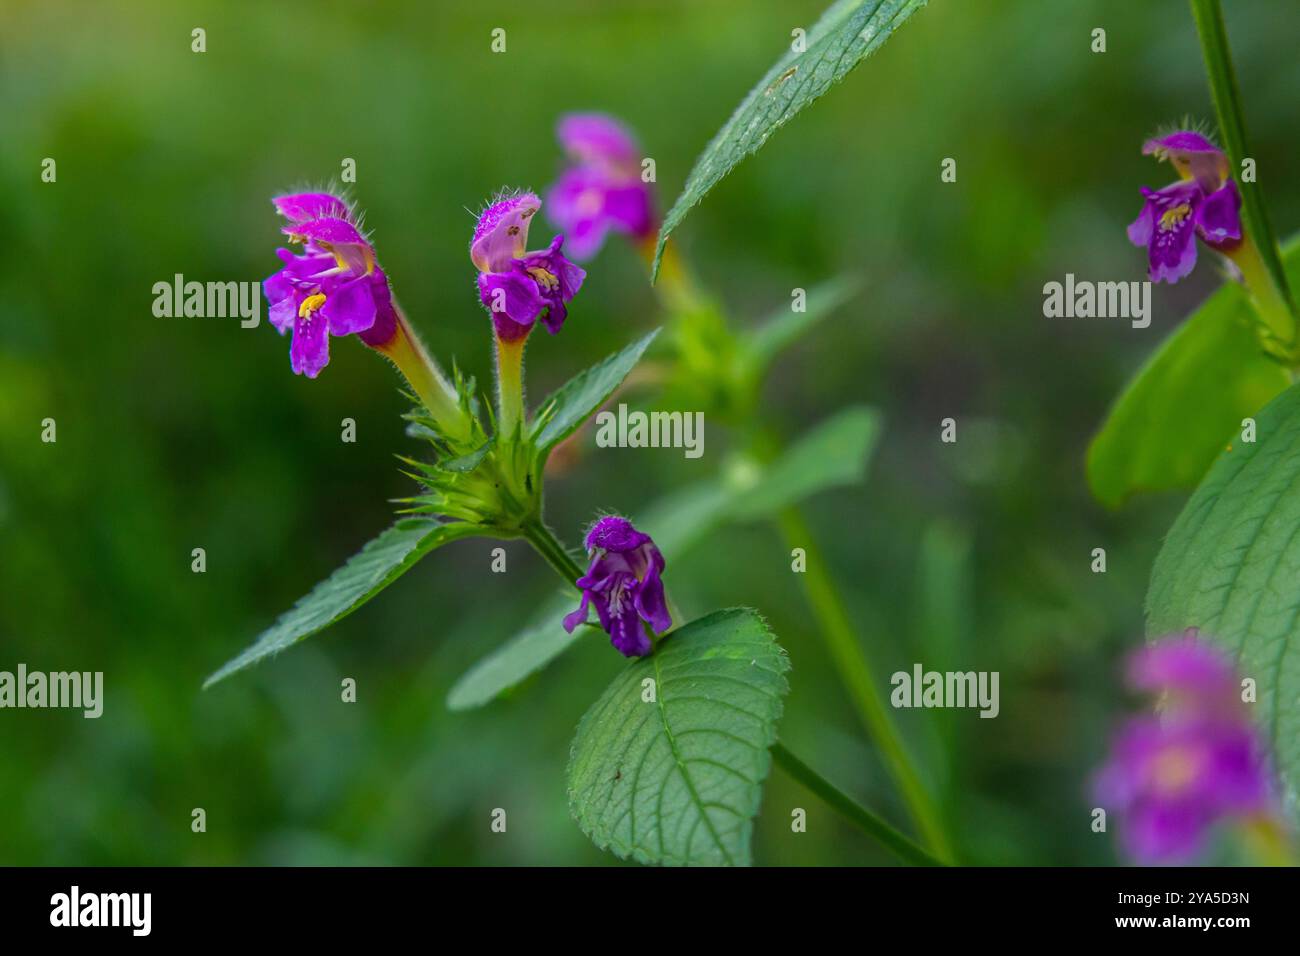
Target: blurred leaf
523,655
1230,564
679,779
835,453
377,565
680,519
832,454
786,326
1187,401
846,34
571,405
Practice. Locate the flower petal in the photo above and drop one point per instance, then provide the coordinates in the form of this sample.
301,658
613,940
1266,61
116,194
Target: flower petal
627,634
1172,248
350,307
310,350
300,207
501,234
1218,219
1194,156
651,603
597,138
574,618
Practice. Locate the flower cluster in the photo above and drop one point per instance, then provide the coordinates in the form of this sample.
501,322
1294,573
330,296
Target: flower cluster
518,287
1204,202
1173,776
602,189
335,288
623,581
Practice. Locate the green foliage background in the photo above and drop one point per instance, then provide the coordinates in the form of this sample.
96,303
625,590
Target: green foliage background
183,433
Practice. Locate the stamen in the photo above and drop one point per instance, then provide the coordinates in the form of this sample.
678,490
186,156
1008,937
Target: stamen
546,280
311,304
1172,217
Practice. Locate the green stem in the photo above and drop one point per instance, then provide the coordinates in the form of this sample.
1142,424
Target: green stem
855,813
853,669
510,387
407,352
546,544
1208,15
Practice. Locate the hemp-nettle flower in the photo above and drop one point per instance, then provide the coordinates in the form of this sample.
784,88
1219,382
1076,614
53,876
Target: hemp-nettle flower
334,288
1204,202
602,189
516,286
623,581
1172,777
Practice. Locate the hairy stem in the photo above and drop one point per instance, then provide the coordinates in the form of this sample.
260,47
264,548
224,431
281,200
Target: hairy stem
510,386
862,818
407,352
546,544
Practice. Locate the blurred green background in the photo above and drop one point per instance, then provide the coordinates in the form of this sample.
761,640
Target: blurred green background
183,433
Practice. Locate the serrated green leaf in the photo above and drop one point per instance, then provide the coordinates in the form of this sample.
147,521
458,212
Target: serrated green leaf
575,401
1230,564
835,453
785,327
678,779
1187,401
520,657
847,33
832,454
377,565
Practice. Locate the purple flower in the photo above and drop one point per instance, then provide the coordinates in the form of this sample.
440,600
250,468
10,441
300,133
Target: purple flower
334,288
602,189
1173,777
1204,202
518,287
623,581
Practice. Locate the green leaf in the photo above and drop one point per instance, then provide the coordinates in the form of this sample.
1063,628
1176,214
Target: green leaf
520,657
1182,408
1187,401
786,326
835,453
678,779
379,564
847,33
1229,567
467,463
575,401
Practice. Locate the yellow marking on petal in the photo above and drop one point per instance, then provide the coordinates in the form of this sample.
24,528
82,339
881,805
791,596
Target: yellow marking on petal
1176,768
1172,217
546,280
311,304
